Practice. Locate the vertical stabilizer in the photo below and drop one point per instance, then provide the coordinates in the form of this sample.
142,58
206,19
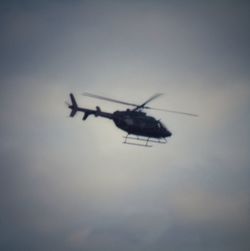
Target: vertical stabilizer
73,105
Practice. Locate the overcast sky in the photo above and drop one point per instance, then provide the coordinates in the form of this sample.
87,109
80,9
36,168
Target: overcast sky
71,185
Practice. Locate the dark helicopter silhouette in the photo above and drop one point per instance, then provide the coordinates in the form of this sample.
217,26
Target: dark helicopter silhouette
134,122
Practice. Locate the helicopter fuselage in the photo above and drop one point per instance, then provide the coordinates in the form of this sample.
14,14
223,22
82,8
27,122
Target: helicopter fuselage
138,123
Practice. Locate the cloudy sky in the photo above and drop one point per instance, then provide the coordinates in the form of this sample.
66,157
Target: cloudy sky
71,185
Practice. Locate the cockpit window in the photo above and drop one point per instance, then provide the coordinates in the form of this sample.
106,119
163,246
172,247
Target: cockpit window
160,125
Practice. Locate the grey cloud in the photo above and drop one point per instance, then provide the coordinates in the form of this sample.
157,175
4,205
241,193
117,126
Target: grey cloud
69,185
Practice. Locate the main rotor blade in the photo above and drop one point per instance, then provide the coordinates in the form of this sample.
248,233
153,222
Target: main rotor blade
108,99
150,99
139,106
172,111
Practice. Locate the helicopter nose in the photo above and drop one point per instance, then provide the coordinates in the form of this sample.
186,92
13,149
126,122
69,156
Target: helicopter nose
168,133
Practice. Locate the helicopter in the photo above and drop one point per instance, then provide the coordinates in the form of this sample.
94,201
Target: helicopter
135,122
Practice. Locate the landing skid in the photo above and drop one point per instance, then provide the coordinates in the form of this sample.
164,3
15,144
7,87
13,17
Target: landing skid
132,141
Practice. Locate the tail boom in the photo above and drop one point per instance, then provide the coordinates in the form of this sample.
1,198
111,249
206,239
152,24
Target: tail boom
97,113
